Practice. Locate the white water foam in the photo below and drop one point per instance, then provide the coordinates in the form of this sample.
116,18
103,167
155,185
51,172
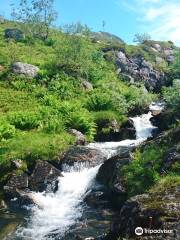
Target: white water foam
57,212
143,128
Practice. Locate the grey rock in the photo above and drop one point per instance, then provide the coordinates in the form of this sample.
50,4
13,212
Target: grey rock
18,163
83,155
17,182
25,69
157,47
80,138
44,177
154,210
137,69
87,85
14,33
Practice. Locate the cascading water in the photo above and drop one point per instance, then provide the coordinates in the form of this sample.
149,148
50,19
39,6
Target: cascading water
143,128
57,212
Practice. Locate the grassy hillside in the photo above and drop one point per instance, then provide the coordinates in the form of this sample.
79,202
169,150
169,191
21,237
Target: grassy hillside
36,114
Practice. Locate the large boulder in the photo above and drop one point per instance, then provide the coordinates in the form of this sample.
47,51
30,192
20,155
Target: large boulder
14,33
44,177
109,176
83,155
164,119
158,209
25,69
17,184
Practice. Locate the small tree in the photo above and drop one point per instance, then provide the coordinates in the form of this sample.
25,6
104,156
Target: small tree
141,38
37,17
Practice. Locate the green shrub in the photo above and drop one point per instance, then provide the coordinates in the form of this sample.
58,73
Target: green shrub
83,122
172,96
6,130
144,170
54,124
103,118
24,120
99,101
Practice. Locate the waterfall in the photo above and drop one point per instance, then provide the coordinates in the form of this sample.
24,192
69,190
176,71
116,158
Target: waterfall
57,212
143,128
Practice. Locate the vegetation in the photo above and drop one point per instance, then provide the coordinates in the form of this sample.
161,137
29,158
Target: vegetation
36,114
35,111
141,38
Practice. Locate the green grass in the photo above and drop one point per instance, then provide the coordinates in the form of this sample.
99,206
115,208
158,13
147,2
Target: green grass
34,145
37,113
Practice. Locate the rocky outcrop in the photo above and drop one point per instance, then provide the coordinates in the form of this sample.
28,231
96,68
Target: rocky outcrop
14,33
83,155
80,138
172,157
108,131
25,69
158,209
164,120
138,69
17,183
44,177
109,176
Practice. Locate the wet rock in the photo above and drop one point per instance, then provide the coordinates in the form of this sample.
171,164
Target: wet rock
97,198
109,176
17,183
164,119
44,177
80,138
14,33
114,132
127,130
84,155
25,69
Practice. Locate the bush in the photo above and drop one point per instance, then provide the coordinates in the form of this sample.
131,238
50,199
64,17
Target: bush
103,118
6,130
99,101
104,100
24,120
54,124
143,171
172,96
83,122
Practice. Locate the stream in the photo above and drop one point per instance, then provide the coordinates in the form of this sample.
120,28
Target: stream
64,215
